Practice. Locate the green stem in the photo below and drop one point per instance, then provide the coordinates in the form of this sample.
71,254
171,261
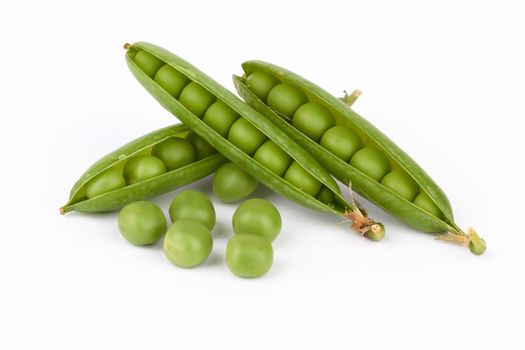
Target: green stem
350,99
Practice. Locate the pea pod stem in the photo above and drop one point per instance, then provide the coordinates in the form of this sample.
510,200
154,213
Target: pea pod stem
349,100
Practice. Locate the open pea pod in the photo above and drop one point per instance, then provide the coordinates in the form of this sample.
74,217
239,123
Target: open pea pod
352,149
191,95
117,193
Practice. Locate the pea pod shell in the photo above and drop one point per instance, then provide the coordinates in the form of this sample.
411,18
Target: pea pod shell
366,186
247,163
164,183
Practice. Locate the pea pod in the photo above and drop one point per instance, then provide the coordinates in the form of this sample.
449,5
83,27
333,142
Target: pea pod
151,187
149,64
352,149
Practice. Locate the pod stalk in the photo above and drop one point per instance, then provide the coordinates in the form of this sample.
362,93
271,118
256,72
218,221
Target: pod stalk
349,100
470,239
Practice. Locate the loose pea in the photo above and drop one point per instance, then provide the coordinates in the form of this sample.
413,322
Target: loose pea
286,99
187,243
231,184
372,162
326,196
148,63
341,141
174,153
141,168
245,136
249,255
272,157
171,80
402,184
106,181
202,148
302,179
423,201
313,120
193,205
220,117
259,217
142,223
260,83
196,98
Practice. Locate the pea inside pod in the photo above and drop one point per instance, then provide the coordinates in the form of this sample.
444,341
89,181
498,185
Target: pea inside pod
250,131
104,187
352,149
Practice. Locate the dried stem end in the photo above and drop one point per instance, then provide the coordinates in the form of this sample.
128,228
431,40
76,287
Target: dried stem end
470,239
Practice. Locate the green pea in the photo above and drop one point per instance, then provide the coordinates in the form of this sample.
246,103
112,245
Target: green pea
187,243
142,223
286,99
171,80
259,217
193,205
141,168
202,148
372,162
326,196
106,181
148,63
302,179
260,83
174,153
231,184
341,141
246,136
272,157
196,99
423,201
220,117
402,184
249,255
313,120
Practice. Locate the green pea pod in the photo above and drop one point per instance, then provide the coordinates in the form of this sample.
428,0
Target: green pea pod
435,217
118,198
145,59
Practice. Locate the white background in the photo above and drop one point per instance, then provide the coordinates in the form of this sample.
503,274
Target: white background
444,79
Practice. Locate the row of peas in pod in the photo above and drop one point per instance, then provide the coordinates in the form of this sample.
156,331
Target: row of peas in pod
168,155
318,124
239,131
188,241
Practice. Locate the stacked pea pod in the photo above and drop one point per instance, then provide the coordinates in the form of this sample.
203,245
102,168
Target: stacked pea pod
242,135
352,149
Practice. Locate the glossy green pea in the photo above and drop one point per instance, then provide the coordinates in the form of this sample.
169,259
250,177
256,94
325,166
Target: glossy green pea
171,80
425,202
231,184
313,120
249,255
261,83
326,196
141,168
300,178
111,190
402,184
371,162
341,141
273,157
286,99
202,148
148,63
278,184
193,205
246,136
196,99
142,223
174,153
220,117
259,217
187,243
107,181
